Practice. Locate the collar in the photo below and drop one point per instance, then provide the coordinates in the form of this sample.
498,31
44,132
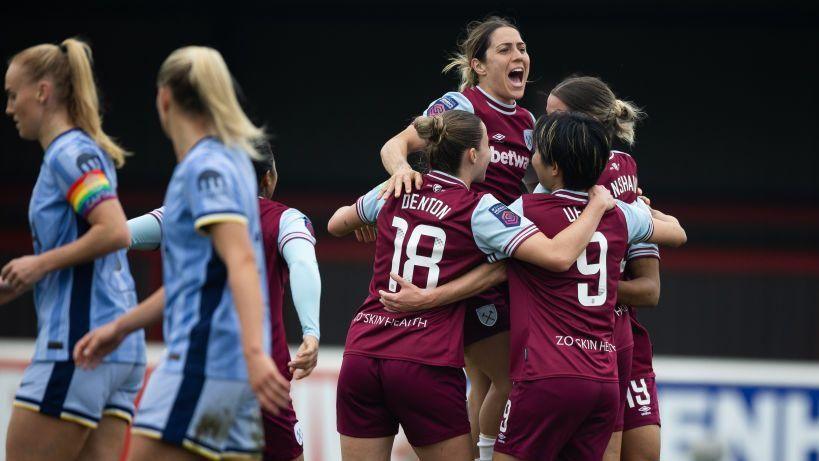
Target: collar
447,178
508,109
572,195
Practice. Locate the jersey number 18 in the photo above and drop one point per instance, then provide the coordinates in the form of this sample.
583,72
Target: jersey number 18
413,258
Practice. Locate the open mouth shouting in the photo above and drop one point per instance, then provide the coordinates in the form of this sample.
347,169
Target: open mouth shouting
516,77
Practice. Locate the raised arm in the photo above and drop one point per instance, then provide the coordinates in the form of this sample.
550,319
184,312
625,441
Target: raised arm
232,243
559,253
362,213
667,230
394,157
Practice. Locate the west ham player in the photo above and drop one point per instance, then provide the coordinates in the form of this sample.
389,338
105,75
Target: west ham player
78,271
565,397
494,65
199,402
405,369
593,97
290,254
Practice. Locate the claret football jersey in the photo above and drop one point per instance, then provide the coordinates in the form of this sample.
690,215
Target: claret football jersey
509,128
429,236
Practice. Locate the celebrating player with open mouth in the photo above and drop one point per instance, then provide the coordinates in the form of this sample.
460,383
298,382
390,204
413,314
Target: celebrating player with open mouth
79,271
494,65
201,397
406,369
564,400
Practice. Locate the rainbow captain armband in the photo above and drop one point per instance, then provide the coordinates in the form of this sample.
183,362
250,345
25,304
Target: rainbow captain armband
89,191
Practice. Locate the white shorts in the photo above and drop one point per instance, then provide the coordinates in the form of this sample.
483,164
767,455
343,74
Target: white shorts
214,418
62,390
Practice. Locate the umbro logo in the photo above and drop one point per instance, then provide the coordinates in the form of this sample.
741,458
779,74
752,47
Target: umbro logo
498,137
644,410
615,167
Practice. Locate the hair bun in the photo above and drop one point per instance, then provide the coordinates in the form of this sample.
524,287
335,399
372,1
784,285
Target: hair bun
438,129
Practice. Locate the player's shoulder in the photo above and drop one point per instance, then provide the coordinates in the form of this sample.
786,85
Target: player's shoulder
622,157
528,117
451,100
75,146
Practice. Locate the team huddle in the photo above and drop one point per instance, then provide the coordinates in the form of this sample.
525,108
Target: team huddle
509,257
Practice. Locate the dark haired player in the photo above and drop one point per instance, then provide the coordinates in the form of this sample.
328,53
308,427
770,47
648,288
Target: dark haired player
565,394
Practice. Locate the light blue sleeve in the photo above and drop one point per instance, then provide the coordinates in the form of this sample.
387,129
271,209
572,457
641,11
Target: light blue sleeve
146,230
80,174
498,230
305,283
293,224
211,187
539,189
638,220
369,205
450,101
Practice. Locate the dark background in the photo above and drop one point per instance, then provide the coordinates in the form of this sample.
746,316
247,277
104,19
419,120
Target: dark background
730,145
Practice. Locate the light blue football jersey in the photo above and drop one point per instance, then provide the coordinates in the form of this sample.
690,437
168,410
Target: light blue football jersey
212,184
76,175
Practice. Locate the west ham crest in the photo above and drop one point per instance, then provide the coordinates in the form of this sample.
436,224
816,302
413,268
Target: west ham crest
527,138
488,315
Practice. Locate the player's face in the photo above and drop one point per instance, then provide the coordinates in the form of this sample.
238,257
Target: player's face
554,104
483,156
506,65
547,175
22,103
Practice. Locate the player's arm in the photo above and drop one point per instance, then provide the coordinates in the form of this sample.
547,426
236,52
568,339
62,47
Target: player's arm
297,247
232,244
394,157
648,225
146,230
362,213
559,253
667,230
643,288
108,232
92,348
411,298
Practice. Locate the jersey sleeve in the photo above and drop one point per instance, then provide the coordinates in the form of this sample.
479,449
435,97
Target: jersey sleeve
305,284
146,230
643,250
498,230
211,188
293,224
369,205
450,101
81,177
638,220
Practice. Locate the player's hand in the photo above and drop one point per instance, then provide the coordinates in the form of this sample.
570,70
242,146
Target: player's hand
22,273
409,298
92,348
270,387
306,358
7,292
401,182
642,197
601,197
366,234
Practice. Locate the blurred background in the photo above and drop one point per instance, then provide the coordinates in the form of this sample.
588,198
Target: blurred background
730,146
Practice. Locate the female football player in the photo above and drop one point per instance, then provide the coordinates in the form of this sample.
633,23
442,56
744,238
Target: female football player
494,66
199,402
78,271
405,369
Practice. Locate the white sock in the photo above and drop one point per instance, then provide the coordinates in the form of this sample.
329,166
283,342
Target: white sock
486,447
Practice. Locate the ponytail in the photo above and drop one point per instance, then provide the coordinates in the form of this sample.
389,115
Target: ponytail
448,136
69,66
201,84
594,97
